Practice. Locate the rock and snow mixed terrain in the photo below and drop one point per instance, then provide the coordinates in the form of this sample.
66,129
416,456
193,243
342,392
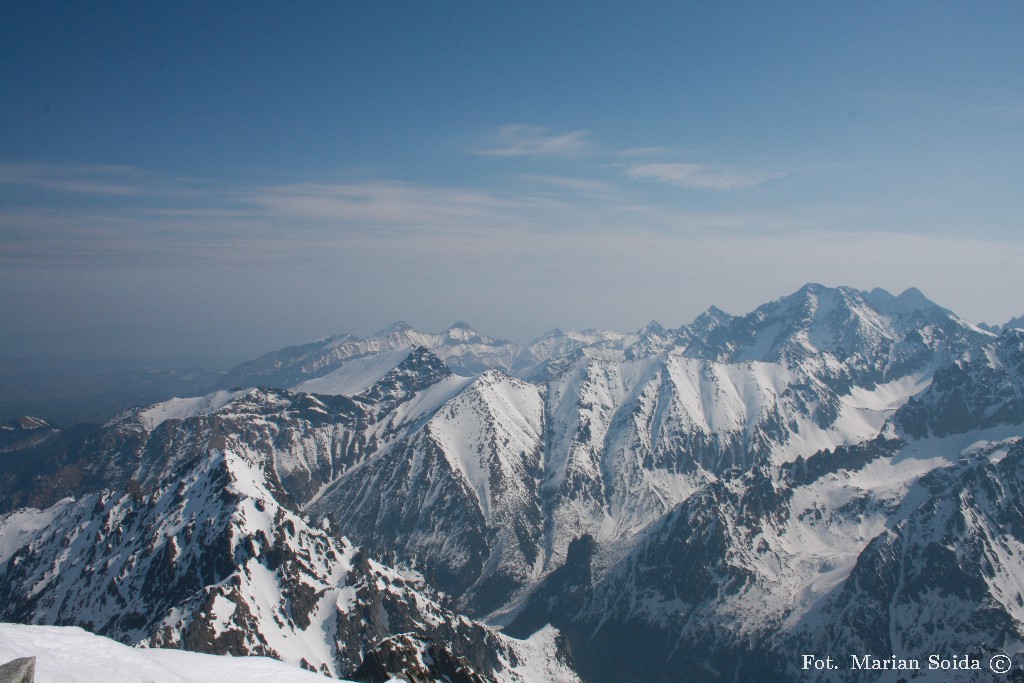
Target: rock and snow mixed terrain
837,472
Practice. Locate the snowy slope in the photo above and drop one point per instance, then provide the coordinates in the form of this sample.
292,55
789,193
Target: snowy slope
458,495
752,572
68,654
628,440
357,375
751,568
465,350
308,440
179,409
946,578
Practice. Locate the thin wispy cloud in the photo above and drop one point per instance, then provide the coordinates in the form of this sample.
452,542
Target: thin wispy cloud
374,203
699,176
80,179
519,140
255,224
167,224
483,252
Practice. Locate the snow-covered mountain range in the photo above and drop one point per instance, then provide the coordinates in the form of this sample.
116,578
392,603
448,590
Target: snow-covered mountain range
834,473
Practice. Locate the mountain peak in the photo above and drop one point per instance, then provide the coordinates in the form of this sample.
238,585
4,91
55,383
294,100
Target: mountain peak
421,356
713,314
653,327
705,323
813,288
913,297
420,369
818,291
808,298
461,332
909,301
395,327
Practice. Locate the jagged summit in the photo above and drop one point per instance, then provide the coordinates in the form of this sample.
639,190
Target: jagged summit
707,322
1014,323
713,313
879,333
814,319
419,370
912,299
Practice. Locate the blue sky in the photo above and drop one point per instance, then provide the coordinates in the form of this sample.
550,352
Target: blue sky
222,179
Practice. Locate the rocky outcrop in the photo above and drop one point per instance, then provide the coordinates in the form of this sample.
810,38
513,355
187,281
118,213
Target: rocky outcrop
22,670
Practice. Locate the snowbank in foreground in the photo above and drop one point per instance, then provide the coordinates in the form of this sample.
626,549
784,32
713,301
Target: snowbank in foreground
68,654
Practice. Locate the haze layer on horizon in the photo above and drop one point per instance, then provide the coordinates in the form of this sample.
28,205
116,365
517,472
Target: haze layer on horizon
219,181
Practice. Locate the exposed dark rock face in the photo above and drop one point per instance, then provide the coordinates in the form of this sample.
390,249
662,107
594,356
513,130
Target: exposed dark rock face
803,471
41,464
562,592
983,389
415,660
